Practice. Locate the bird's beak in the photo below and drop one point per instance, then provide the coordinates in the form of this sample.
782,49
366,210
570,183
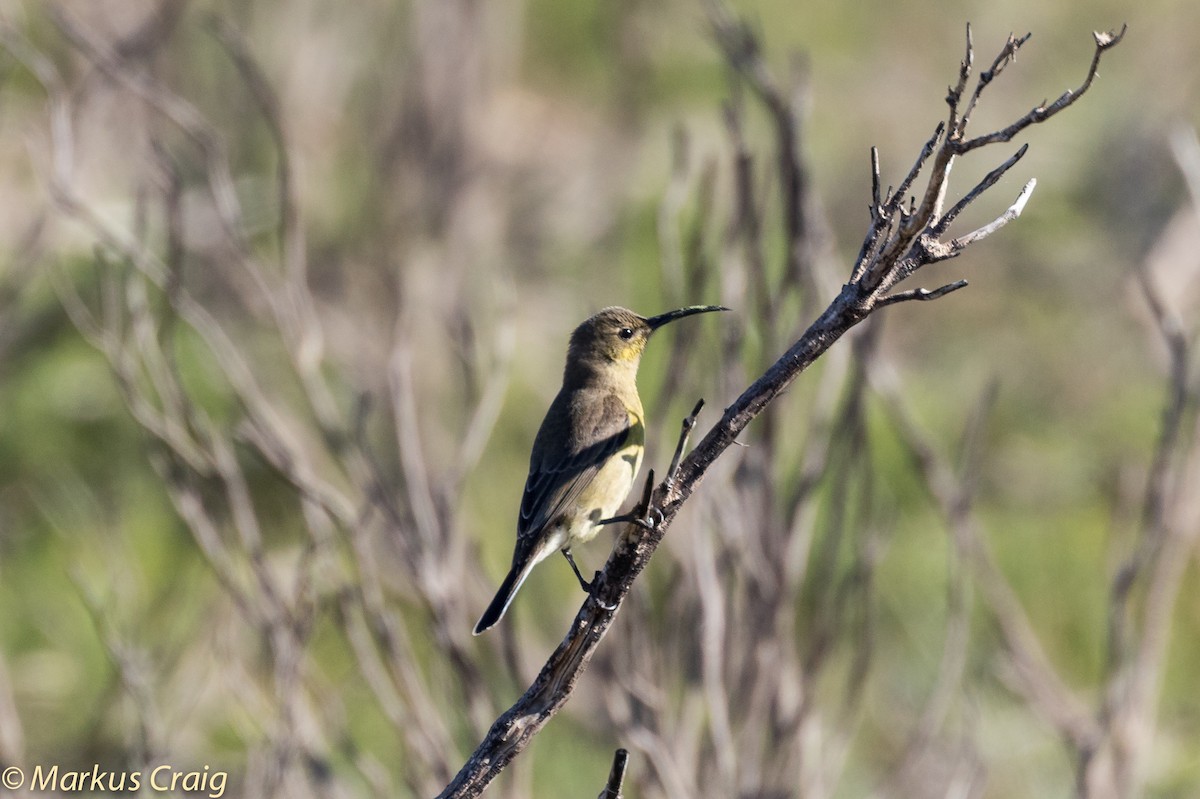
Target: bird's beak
655,322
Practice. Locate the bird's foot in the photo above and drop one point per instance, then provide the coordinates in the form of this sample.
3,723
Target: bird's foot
649,521
588,586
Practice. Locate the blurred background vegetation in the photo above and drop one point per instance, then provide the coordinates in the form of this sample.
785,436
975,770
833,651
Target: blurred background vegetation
471,180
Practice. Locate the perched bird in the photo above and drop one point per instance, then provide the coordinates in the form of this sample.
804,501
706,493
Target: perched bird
589,448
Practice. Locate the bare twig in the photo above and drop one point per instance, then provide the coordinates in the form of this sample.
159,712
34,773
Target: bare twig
922,294
1013,211
616,777
688,423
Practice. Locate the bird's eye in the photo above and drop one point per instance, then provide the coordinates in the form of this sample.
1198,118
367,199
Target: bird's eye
625,333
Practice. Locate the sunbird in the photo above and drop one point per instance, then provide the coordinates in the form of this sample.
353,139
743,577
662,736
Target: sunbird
589,448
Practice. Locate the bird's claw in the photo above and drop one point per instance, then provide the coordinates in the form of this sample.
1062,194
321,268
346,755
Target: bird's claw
653,518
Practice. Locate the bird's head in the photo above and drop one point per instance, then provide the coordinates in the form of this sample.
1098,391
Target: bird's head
616,337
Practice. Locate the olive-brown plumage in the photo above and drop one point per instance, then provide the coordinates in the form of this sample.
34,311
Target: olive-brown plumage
589,448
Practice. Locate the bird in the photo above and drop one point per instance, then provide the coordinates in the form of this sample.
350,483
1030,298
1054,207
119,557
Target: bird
588,450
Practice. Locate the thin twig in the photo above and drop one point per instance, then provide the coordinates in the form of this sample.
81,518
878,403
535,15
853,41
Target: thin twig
921,294
616,777
1011,213
689,422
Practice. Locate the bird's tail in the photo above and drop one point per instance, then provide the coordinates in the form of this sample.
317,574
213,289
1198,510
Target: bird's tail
504,597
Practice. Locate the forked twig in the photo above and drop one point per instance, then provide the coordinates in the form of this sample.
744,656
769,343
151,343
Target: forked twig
1042,112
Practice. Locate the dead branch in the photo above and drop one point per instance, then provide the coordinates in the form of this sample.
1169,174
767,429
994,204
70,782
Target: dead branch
899,242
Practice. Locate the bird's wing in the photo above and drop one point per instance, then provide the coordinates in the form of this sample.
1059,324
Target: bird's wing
557,474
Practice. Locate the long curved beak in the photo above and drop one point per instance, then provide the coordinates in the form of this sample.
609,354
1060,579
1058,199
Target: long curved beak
655,322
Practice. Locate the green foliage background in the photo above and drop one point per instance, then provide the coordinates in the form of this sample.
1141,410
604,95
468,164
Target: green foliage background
593,90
